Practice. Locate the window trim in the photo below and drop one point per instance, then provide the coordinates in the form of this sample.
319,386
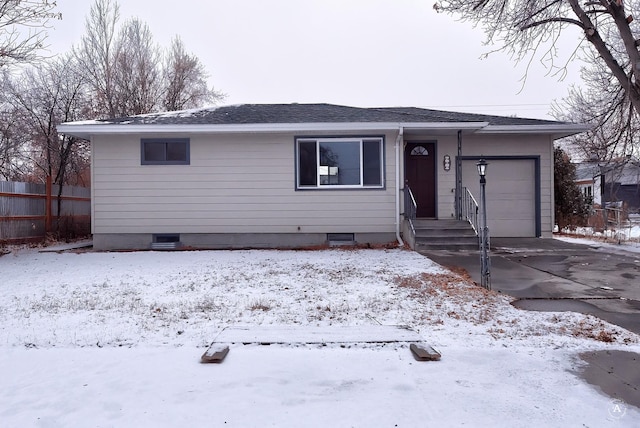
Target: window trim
185,141
337,139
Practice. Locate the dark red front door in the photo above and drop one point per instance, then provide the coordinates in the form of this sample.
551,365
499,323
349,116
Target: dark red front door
420,173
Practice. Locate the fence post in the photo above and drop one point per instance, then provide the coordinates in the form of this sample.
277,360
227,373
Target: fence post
48,215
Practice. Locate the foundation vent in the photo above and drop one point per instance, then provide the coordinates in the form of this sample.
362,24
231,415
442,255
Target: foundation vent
338,239
166,241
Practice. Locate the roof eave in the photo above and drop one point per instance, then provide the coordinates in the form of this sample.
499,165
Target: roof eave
559,130
86,130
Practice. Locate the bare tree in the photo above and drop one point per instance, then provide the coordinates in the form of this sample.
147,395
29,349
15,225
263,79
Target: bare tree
603,103
137,81
523,27
22,29
97,53
186,80
127,72
8,144
44,97
12,162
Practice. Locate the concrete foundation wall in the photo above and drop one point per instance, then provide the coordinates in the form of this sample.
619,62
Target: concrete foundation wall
407,235
143,241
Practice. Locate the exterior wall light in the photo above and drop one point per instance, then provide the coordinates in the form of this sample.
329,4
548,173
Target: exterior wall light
482,168
485,269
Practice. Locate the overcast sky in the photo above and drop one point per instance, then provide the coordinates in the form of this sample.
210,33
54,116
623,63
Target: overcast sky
351,52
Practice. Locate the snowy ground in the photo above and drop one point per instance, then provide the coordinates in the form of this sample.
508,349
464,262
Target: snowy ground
606,244
114,339
623,238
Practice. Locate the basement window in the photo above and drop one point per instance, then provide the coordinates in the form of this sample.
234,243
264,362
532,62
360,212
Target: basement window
164,151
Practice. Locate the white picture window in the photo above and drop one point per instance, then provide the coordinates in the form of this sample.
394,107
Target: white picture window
339,162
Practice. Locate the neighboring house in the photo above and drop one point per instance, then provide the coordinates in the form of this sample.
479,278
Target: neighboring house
588,180
294,175
614,182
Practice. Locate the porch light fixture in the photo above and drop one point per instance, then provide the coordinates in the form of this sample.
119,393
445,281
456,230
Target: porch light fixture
485,269
482,168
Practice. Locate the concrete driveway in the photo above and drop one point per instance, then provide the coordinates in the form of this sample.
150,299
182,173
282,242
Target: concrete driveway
553,275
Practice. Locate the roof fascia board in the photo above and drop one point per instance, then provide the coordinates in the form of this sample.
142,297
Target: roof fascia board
85,129
569,129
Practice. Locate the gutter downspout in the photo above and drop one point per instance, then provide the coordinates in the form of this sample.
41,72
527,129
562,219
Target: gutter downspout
398,185
459,178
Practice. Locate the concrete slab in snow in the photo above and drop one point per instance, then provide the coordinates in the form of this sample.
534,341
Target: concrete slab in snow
67,247
307,334
267,335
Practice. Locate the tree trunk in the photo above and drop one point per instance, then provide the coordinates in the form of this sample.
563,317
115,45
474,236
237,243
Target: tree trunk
617,12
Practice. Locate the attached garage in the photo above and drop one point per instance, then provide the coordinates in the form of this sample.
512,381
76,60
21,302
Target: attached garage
513,189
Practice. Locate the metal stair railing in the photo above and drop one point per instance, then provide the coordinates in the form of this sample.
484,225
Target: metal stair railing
410,207
470,210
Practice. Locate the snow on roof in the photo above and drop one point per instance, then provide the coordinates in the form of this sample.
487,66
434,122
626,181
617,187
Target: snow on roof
310,113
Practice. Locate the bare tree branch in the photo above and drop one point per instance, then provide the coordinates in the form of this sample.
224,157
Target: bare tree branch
186,80
23,27
550,20
528,29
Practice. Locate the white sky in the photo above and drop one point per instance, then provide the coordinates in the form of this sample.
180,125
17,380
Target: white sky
351,52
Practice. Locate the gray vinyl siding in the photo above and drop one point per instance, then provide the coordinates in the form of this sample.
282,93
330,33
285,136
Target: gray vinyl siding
492,145
446,179
234,184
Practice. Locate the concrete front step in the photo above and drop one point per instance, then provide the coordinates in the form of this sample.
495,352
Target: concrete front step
440,224
449,243
453,235
450,246
444,239
446,233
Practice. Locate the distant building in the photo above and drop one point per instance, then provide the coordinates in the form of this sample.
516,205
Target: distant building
587,174
614,183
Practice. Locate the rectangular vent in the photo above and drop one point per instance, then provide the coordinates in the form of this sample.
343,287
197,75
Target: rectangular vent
336,239
166,241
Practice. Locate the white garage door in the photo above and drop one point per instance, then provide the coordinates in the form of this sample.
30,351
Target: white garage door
511,210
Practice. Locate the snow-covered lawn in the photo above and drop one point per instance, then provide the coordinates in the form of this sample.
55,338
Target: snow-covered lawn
114,339
623,238
606,244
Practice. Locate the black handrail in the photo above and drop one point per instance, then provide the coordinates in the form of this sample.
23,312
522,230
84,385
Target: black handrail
410,205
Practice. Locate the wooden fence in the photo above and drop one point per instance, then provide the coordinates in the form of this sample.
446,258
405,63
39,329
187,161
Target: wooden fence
29,211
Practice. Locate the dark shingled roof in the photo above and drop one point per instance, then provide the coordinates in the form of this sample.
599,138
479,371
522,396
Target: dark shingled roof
314,113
